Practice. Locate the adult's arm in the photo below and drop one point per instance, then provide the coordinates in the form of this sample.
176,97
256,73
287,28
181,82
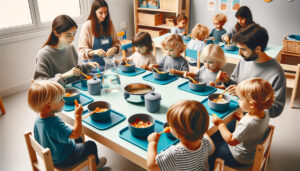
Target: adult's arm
115,39
279,87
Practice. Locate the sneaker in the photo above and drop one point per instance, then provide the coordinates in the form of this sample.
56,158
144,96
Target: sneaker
101,163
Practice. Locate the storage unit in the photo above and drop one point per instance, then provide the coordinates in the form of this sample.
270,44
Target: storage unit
154,32
150,19
292,46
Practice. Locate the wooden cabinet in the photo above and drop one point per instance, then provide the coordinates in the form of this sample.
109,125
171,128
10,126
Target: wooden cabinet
154,20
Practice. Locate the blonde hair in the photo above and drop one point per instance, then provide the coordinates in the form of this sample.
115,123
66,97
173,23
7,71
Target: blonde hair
188,118
220,18
256,91
174,41
215,53
200,32
43,92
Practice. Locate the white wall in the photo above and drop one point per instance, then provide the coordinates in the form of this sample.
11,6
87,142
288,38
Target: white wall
17,54
279,17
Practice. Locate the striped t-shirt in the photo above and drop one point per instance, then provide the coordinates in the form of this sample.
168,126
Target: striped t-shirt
178,157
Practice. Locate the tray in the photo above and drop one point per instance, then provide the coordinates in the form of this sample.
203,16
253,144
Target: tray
208,89
130,74
233,105
79,86
149,77
163,143
115,118
84,100
235,51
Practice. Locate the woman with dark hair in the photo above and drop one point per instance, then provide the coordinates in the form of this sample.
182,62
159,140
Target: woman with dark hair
98,36
57,60
244,19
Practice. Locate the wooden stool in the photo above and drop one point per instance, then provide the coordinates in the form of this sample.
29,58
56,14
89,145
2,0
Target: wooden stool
2,109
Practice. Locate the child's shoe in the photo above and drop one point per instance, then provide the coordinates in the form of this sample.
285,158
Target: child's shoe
101,163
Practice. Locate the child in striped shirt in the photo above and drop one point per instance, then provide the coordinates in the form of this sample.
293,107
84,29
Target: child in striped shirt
188,122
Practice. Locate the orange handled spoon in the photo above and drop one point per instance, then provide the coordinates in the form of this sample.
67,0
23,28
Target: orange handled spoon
166,130
87,76
157,70
194,81
95,111
76,103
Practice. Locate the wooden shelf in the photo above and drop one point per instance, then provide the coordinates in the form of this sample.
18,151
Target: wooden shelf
155,10
164,26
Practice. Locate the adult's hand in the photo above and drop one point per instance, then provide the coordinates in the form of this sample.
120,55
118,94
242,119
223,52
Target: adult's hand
93,64
111,51
226,38
72,72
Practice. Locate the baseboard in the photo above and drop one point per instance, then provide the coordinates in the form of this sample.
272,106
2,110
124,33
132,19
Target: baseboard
7,91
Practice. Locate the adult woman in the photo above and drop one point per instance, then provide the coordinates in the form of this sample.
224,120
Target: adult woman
98,37
58,60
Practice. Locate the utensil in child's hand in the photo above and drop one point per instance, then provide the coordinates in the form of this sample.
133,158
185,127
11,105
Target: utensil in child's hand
87,76
126,63
157,70
214,115
95,111
218,77
194,81
76,103
221,95
166,130
228,42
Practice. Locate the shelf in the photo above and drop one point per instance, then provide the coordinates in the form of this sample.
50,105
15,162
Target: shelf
156,10
159,26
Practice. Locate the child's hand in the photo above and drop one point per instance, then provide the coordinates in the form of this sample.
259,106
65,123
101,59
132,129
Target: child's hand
217,121
238,115
154,137
144,66
111,51
78,110
93,64
186,74
223,77
211,83
173,71
226,38
231,90
153,65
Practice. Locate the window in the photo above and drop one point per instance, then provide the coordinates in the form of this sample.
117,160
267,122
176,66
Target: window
30,16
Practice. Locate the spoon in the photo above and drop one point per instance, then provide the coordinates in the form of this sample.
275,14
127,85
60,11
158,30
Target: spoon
228,42
87,76
126,63
157,70
194,81
166,130
95,111
218,77
221,95
76,103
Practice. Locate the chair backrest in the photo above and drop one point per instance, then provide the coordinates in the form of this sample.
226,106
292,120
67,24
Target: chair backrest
191,53
122,34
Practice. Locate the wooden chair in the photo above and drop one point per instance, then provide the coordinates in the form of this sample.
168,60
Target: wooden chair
2,109
193,54
261,156
45,155
125,44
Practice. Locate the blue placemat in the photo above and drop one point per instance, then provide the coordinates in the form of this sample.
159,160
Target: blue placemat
130,74
163,143
208,89
235,51
149,77
79,86
84,99
115,118
233,105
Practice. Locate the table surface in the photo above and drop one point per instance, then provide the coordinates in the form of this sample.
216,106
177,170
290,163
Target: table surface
110,137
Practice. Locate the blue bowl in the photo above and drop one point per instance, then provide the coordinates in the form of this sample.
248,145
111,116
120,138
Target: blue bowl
162,76
100,116
230,47
75,95
200,86
169,135
130,68
141,132
219,107
186,37
209,40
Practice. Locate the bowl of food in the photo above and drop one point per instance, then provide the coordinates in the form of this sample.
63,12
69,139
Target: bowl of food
141,125
161,74
230,47
103,110
170,135
71,95
127,67
197,86
218,104
135,92
209,40
186,37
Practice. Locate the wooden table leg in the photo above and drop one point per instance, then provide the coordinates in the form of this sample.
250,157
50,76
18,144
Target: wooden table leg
2,107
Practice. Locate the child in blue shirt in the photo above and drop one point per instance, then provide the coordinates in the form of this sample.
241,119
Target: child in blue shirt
180,22
188,122
46,98
219,20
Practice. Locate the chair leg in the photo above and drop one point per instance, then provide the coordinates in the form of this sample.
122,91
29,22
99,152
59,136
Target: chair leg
296,86
124,53
2,107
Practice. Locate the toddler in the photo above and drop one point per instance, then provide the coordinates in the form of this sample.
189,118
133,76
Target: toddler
238,148
143,57
188,122
46,98
173,46
180,22
219,20
214,60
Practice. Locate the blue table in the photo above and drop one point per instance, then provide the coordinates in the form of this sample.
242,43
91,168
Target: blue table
110,137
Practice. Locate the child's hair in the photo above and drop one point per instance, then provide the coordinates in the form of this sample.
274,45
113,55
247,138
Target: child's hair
189,119
220,18
214,52
179,18
200,32
143,39
257,91
61,23
174,41
43,92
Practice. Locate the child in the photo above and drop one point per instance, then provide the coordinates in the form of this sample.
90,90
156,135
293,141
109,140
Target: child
173,61
255,96
180,22
199,33
46,98
143,57
219,20
214,60
188,122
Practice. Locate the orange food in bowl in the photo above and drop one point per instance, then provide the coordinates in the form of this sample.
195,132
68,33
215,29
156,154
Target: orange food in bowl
141,124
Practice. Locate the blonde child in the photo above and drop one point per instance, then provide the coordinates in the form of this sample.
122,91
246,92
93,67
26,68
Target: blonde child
143,57
238,148
46,98
219,20
180,22
214,60
173,46
188,122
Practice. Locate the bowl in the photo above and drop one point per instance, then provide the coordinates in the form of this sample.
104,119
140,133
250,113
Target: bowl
74,94
209,40
141,132
200,86
217,106
186,37
100,116
135,92
230,47
129,68
162,76
169,135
